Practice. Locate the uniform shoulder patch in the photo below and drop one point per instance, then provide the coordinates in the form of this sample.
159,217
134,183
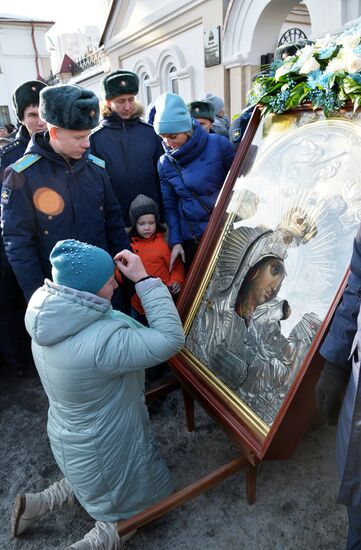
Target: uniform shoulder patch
5,196
236,135
96,160
25,161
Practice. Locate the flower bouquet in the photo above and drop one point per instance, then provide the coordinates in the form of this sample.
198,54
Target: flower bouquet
326,74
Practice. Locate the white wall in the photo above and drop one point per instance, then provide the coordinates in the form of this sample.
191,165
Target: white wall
17,59
184,50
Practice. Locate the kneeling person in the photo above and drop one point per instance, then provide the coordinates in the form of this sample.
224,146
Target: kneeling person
91,362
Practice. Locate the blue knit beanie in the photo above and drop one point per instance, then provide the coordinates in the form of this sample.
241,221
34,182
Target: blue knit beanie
81,266
171,115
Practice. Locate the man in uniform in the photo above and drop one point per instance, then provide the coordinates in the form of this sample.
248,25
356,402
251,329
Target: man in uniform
203,111
14,341
26,105
129,146
58,190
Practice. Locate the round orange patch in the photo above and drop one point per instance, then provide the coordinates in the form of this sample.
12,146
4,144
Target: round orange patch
48,201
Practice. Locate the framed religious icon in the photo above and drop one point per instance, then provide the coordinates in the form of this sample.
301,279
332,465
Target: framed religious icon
269,273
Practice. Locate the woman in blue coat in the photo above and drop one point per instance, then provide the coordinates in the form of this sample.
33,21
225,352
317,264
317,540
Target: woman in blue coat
91,361
191,171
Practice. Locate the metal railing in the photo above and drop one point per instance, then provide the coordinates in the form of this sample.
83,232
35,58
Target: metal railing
88,61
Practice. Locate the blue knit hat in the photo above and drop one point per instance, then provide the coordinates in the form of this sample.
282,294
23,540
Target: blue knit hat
81,266
172,115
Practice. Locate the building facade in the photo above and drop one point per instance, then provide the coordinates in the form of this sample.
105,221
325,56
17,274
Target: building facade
193,47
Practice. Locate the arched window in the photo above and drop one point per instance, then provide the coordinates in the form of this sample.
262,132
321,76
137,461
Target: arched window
144,89
147,89
173,80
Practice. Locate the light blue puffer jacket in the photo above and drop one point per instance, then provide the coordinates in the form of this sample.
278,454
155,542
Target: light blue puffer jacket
90,359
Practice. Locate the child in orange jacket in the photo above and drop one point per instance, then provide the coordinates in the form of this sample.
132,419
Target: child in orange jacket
147,241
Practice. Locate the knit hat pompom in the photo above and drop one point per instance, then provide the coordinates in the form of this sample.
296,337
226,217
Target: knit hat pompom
80,265
120,82
26,94
202,108
171,115
140,206
216,101
70,107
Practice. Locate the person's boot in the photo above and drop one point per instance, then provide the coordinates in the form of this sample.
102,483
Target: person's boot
103,536
31,506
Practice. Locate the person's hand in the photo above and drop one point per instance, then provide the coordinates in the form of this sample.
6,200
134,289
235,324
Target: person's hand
174,288
130,265
177,250
329,391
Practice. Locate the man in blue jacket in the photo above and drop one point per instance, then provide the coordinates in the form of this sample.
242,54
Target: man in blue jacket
14,341
26,106
129,146
58,190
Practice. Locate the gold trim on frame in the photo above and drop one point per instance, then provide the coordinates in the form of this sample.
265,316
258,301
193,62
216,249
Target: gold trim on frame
258,427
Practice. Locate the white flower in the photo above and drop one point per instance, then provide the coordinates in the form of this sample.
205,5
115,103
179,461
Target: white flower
324,42
353,63
336,64
282,70
350,41
306,52
310,65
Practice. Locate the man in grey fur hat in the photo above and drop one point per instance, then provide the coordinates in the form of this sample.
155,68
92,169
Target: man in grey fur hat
58,190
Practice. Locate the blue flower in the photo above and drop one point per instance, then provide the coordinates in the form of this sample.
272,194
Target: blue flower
357,50
325,79
313,79
326,53
274,66
278,102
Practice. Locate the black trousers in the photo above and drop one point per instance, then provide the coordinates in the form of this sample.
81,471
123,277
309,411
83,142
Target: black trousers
190,249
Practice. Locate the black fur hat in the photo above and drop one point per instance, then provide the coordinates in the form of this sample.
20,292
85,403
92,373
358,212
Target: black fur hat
202,108
120,82
69,107
26,94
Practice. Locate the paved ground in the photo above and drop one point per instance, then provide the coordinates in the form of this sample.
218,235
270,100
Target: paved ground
295,509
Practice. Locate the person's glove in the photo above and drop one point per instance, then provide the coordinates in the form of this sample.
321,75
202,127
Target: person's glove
329,391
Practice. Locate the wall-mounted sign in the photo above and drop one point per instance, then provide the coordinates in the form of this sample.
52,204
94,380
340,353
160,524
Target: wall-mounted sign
212,46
